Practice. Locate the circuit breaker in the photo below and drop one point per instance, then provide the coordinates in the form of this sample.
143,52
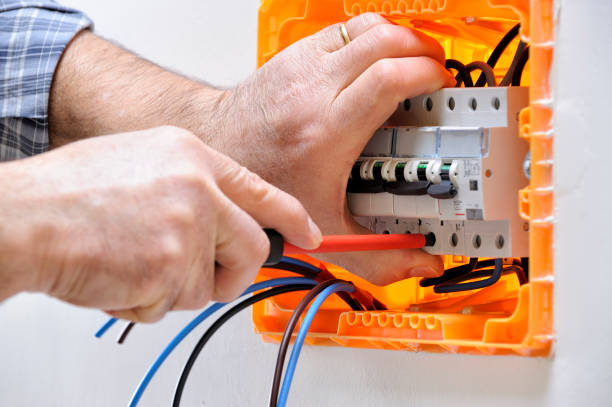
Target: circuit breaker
447,163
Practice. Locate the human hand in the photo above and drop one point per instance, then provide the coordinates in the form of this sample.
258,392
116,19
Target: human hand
303,118
140,223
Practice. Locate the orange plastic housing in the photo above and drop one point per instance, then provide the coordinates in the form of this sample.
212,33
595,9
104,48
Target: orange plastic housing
504,318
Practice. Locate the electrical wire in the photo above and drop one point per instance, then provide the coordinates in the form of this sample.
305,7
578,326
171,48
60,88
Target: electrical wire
462,74
451,273
510,73
107,325
178,393
473,285
126,331
487,71
310,271
142,386
498,51
301,336
517,75
296,266
284,344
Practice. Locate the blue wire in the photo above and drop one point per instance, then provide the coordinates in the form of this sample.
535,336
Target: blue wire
105,327
197,321
299,263
299,341
287,260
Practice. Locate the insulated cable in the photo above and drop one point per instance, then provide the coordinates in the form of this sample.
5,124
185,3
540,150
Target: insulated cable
487,71
473,285
197,321
451,273
178,393
506,81
517,75
284,344
301,336
126,331
107,325
498,51
462,74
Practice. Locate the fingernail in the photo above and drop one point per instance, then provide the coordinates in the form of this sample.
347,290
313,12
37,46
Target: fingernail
423,271
315,233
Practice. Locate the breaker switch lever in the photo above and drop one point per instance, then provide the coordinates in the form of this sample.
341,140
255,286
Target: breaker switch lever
407,188
443,190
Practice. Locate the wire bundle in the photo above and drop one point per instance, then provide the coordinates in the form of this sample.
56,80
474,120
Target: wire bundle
471,276
513,75
453,280
319,292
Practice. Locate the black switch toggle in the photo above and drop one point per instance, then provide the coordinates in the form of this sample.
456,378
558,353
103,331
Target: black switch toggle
443,190
360,186
407,188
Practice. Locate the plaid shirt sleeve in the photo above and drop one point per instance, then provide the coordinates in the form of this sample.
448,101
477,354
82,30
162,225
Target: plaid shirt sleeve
33,36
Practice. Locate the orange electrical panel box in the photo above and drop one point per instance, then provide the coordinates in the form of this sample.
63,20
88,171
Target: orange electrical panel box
505,318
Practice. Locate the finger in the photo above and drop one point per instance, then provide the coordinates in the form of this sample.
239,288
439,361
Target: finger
199,285
363,22
241,249
375,94
147,314
380,42
385,267
268,205
330,38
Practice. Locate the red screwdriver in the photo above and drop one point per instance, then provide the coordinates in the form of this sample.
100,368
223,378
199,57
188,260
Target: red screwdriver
348,243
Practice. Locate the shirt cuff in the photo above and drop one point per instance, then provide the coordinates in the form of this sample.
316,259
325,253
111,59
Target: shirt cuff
35,34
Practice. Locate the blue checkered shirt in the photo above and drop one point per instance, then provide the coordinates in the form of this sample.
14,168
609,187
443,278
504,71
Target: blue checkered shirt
33,35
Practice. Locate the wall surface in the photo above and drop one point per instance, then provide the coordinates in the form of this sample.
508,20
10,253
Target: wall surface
49,356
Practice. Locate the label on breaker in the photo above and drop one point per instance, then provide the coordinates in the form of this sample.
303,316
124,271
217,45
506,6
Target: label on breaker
474,214
458,205
471,168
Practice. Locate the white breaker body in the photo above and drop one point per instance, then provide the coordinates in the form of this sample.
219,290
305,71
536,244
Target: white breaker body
463,142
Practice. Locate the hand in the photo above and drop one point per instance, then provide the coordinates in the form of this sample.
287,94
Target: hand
140,223
302,120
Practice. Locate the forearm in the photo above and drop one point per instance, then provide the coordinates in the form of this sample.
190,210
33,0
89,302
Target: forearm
20,239
99,88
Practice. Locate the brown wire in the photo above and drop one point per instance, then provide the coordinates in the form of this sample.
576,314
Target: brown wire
284,345
486,70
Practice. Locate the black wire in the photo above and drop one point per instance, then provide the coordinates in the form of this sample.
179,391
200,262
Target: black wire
517,75
487,71
307,272
498,51
451,273
126,331
462,73
525,266
473,285
510,73
520,274
294,268
219,323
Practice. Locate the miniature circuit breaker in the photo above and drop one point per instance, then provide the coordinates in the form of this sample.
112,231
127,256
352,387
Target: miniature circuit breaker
449,163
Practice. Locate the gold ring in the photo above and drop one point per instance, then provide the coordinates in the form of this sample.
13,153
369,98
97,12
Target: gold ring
344,34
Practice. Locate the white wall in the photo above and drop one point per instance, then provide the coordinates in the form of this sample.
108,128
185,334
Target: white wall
49,356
